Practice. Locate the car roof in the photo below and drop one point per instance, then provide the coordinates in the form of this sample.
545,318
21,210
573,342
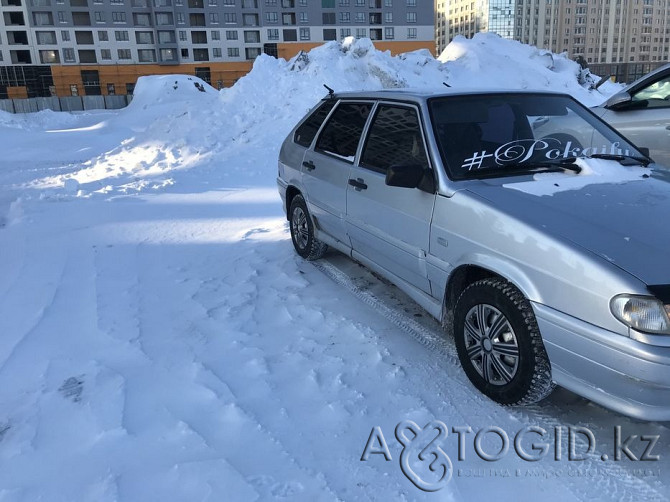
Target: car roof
419,95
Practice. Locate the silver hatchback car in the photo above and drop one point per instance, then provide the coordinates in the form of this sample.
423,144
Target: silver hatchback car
535,232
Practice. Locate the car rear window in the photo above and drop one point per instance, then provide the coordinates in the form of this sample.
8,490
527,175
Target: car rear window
306,132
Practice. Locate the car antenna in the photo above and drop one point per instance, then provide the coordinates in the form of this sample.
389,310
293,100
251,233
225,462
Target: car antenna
331,93
445,84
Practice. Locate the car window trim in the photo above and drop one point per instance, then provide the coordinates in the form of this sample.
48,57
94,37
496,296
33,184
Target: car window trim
373,115
341,102
318,131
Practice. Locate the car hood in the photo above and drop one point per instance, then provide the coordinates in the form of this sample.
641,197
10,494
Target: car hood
626,223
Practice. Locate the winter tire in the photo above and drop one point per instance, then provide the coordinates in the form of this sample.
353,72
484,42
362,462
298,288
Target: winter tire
499,343
302,231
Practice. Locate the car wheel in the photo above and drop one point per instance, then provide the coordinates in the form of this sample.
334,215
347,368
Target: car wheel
302,231
499,343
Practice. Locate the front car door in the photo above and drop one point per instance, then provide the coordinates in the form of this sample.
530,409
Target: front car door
326,166
390,226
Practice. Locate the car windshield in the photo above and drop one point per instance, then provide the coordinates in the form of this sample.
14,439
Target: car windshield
504,134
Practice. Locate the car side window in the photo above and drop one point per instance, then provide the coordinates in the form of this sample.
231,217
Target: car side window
657,95
342,132
306,132
394,139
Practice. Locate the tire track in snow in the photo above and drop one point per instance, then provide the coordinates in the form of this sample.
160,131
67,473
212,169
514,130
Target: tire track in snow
618,484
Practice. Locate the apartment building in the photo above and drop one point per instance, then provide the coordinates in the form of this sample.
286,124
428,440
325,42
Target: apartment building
623,37
92,47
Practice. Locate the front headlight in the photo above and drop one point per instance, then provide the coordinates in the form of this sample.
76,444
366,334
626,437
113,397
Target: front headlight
643,313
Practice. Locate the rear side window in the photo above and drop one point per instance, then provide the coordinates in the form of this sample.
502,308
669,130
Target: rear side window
306,132
395,140
342,133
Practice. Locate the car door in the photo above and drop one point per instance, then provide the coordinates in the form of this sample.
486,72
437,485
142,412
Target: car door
645,120
326,166
390,226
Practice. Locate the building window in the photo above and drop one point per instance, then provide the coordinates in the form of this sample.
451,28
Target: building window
328,18
111,91
304,34
49,57
252,37
388,33
230,18
233,52
388,17
345,17
65,36
61,17
168,55
271,17
121,36
73,87
388,3
345,32
216,35
144,37
303,17
411,3
252,52
360,17
329,34
411,33
118,17
214,17
184,53
273,34
361,32
182,36
164,18
231,35
411,17
123,53
290,36
99,17
180,18
216,52
328,4
46,38
103,36
105,54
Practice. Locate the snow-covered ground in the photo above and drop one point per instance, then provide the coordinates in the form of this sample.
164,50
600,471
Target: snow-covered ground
160,340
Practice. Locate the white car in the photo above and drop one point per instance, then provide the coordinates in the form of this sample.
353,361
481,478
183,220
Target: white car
641,112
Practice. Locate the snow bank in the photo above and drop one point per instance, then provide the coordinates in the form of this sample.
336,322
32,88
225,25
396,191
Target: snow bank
176,123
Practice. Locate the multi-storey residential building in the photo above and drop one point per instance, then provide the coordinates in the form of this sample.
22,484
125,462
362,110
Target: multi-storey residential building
626,37
69,47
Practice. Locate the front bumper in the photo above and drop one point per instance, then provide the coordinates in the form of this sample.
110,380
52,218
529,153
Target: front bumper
615,371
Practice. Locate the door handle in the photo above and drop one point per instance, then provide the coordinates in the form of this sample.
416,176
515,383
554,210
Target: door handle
309,165
358,184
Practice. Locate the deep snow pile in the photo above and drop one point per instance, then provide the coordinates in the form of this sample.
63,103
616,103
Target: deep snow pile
178,122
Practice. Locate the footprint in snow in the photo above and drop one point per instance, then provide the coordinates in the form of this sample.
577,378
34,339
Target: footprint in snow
4,428
256,231
72,388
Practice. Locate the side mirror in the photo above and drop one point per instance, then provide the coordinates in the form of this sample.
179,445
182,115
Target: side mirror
618,101
410,176
405,176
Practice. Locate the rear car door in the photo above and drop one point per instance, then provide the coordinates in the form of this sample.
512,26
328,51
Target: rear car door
390,226
326,166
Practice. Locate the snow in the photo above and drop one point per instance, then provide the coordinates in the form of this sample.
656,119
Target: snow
160,339
593,171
